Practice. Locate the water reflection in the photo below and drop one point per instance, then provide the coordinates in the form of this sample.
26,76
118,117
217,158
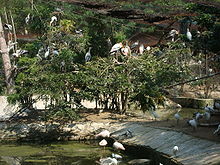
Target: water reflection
68,153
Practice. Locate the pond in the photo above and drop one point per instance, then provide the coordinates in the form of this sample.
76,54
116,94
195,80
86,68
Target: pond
59,153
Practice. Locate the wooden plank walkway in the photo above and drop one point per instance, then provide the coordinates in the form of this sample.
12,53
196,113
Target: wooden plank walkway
192,150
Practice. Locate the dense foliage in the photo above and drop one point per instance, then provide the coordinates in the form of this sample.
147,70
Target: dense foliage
63,79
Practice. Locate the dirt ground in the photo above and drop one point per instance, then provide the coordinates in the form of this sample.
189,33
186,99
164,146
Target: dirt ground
166,121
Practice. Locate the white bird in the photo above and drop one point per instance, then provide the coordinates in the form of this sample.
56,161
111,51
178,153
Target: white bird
103,143
103,134
188,34
175,150
207,115
209,108
53,19
116,48
118,145
217,130
47,53
116,156
193,123
88,55
27,19
160,164
177,117
7,27
19,52
173,33
141,49
148,48
108,161
126,50
217,105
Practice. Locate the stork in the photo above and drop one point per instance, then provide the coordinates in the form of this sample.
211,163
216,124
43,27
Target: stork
141,49
115,48
53,19
188,34
27,19
172,34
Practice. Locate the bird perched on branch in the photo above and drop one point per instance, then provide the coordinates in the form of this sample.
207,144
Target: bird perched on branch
141,49
7,27
27,19
88,55
188,34
53,20
172,34
115,48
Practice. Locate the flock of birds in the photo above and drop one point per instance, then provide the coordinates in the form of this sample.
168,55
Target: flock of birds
208,110
114,159
125,50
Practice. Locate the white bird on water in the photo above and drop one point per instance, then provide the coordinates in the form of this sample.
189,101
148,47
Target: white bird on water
116,48
118,145
103,134
103,143
217,130
177,117
175,150
53,19
188,34
88,55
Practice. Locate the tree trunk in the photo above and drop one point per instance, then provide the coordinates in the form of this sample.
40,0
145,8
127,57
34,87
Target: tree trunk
6,61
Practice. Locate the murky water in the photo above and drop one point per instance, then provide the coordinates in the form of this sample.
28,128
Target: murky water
65,153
